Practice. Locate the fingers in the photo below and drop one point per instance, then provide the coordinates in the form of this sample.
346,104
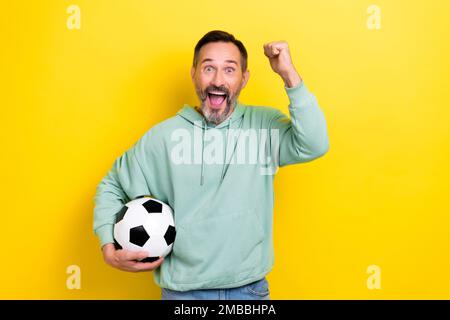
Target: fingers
136,266
272,49
126,255
128,266
148,266
129,261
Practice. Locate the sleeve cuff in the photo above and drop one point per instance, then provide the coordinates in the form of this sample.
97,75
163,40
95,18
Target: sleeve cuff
299,96
105,234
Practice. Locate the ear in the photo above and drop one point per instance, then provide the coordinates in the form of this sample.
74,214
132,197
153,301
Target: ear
192,72
245,77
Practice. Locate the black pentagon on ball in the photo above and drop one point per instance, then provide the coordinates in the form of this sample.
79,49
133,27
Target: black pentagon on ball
121,213
117,245
138,236
152,206
170,234
150,259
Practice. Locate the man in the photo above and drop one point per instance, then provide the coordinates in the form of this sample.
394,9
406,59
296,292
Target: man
214,165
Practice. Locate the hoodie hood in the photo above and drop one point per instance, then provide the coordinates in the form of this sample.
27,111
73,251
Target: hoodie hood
188,113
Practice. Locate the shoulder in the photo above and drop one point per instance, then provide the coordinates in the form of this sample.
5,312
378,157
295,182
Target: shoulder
157,133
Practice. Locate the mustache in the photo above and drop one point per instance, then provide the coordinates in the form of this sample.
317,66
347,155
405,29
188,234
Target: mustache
223,89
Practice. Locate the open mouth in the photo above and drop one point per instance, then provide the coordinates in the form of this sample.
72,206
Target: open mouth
216,99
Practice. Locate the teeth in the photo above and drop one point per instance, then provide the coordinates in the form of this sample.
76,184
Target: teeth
218,93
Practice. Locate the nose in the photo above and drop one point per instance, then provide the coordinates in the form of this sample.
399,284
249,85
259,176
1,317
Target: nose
218,79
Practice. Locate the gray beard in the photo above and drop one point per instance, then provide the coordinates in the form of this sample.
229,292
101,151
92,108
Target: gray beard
214,116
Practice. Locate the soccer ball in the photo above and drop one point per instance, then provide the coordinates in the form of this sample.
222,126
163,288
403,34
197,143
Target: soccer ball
145,224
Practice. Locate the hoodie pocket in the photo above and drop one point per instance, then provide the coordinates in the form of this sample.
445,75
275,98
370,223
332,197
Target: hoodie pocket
220,245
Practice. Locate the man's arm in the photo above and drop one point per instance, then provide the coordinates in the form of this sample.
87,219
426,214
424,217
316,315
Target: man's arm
124,181
304,136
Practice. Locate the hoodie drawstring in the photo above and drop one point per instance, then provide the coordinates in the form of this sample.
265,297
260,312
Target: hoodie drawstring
222,176
225,158
203,144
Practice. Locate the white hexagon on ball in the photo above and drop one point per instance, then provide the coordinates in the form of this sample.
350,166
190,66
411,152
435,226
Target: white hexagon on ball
145,224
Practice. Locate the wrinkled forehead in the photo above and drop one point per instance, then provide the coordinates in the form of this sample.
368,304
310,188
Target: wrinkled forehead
220,53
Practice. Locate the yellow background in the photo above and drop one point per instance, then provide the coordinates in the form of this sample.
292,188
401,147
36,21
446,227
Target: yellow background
74,100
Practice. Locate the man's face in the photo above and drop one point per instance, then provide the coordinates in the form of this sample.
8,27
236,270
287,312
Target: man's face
218,79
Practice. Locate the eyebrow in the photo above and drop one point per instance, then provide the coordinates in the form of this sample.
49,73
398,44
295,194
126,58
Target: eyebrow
208,60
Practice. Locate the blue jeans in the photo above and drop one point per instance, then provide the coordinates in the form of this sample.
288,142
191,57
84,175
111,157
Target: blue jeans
258,290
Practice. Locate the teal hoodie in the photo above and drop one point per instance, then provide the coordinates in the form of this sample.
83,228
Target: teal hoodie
222,198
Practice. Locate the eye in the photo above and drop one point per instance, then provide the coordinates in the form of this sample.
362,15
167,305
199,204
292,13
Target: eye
208,68
229,70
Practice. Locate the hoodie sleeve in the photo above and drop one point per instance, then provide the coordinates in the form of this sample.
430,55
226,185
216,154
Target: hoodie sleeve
303,137
123,182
